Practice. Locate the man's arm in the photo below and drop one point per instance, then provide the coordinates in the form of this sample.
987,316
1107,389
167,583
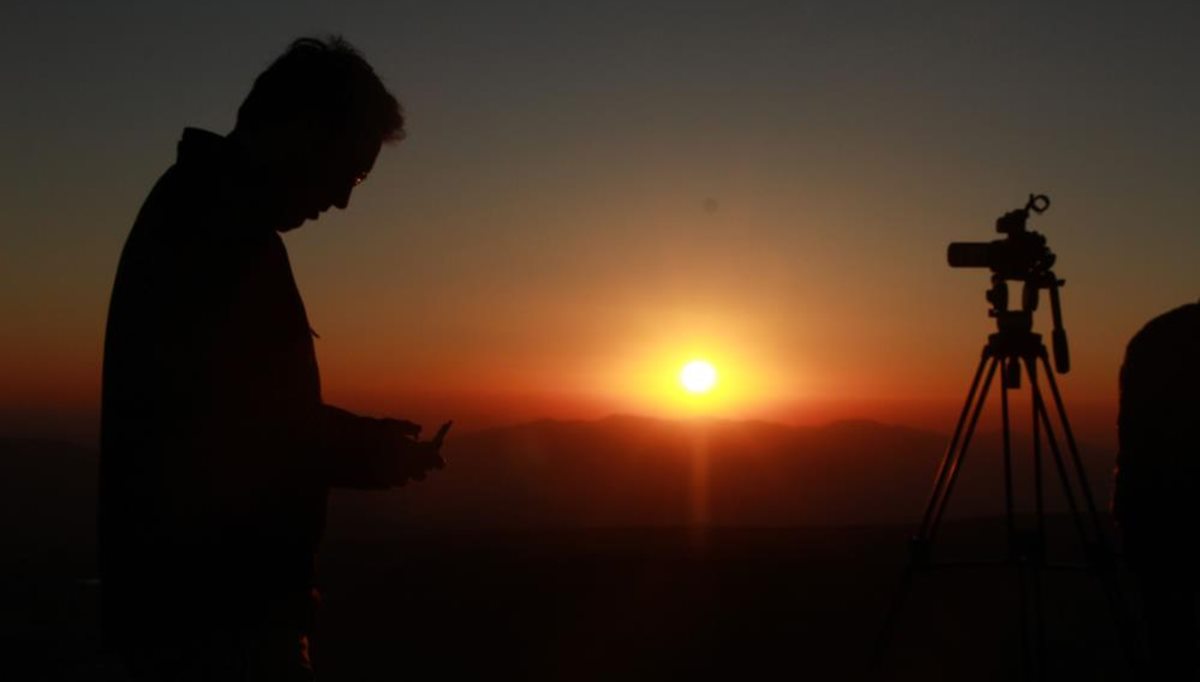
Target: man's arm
368,453
242,351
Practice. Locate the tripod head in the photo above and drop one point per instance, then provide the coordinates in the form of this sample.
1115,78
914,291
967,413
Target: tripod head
1022,256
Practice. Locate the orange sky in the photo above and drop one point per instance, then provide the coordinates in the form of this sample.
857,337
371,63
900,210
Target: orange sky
540,245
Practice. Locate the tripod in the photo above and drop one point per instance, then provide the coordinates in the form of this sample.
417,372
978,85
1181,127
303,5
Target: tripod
1013,351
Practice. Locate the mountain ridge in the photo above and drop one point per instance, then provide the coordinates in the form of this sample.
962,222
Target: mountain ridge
619,470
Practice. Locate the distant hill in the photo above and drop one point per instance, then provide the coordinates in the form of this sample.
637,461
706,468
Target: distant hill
617,471
630,471
609,603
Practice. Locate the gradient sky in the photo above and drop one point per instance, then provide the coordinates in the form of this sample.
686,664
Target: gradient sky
539,246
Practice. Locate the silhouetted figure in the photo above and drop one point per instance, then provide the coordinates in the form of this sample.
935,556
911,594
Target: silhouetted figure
217,452
1157,495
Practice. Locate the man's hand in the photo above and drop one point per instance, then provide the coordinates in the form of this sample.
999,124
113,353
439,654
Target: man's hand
404,428
415,458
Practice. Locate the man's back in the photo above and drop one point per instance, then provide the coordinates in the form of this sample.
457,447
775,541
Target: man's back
209,483
217,452
1157,494
1158,477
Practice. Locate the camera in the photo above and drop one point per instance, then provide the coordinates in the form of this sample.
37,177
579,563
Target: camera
1022,255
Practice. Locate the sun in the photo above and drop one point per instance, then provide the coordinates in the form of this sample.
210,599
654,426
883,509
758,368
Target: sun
698,376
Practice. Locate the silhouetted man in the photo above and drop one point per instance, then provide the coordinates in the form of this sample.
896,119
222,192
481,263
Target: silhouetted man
217,452
1157,496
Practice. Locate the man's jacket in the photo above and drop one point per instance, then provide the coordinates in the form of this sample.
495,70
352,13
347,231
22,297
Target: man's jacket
217,453
1157,490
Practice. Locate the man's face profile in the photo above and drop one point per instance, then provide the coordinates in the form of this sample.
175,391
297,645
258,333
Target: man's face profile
312,127
323,175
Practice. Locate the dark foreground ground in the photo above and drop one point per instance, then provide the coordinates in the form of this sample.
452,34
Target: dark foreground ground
615,604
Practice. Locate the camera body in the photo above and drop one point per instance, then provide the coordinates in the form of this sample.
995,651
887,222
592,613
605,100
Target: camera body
1023,255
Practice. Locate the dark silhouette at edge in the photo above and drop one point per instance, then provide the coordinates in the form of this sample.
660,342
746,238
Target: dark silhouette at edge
217,452
1158,482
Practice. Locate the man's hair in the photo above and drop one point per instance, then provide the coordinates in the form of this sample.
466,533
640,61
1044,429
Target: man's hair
330,79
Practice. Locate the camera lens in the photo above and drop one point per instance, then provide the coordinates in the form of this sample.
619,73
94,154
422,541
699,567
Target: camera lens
969,254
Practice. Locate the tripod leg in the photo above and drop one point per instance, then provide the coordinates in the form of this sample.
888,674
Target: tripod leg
1009,506
919,548
1073,448
1039,487
1018,553
1038,551
1042,417
1099,556
955,466
952,453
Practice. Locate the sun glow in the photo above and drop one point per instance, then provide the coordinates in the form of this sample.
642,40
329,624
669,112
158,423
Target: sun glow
698,376
697,365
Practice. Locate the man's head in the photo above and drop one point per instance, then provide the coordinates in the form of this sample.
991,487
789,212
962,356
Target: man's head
315,120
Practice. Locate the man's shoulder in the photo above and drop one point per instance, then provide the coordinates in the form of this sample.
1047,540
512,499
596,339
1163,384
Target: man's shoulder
197,199
172,216
1177,324
1163,351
